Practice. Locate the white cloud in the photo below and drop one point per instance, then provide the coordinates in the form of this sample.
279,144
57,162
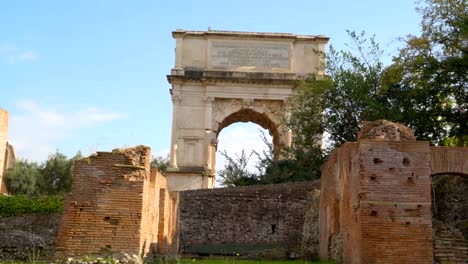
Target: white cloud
27,56
12,54
35,129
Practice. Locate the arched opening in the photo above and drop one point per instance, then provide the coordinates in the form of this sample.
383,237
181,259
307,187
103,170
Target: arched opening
450,217
242,130
261,119
237,138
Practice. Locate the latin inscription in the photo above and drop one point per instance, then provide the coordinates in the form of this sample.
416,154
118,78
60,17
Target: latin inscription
231,55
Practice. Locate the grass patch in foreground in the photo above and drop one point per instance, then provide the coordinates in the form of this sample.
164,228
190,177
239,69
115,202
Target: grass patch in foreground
201,261
243,261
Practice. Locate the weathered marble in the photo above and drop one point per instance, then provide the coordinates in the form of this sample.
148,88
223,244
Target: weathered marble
224,77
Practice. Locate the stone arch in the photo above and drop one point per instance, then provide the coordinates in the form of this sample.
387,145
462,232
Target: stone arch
226,77
269,114
449,160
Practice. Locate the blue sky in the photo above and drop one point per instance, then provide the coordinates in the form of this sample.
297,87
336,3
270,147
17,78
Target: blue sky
91,74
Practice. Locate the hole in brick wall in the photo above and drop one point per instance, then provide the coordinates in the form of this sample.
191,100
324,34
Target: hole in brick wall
377,160
373,213
392,215
419,205
273,229
81,209
406,161
410,179
391,169
107,218
372,178
108,246
408,223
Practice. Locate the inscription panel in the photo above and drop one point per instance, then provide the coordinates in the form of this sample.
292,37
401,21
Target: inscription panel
225,55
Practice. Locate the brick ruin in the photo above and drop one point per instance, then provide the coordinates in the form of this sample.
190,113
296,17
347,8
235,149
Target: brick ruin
255,221
117,205
375,205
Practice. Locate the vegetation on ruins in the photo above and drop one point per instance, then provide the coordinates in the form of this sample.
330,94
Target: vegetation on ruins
270,170
161,162
235,171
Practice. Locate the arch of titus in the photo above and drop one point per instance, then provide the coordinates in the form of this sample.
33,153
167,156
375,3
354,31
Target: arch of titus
223,77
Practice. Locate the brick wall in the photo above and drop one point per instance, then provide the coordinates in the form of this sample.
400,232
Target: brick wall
376,203
263,220
395,204
3,144
113,206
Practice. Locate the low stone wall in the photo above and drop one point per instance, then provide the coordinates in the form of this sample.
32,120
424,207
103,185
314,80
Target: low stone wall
257,221
25,235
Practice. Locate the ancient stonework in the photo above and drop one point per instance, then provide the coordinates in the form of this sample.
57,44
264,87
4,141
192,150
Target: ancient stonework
255,221
116,206
22,235
224,77
385,130
376,196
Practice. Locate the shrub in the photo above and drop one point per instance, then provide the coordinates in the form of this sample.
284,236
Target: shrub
17,205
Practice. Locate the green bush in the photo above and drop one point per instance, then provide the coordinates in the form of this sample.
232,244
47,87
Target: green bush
18,205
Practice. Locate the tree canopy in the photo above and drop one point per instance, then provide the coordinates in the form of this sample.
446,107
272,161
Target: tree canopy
52,177
425,88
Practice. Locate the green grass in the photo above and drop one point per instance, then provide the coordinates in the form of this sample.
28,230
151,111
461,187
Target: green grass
233,260
243,261
207,261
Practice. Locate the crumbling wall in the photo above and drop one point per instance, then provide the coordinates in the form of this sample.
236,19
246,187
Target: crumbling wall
376,199
168,220
339,193
262,220
112,207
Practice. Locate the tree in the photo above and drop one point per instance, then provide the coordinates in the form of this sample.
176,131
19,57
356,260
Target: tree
425,88
161,162
429,76
235,171
339,102
56,174
301,164
21,179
